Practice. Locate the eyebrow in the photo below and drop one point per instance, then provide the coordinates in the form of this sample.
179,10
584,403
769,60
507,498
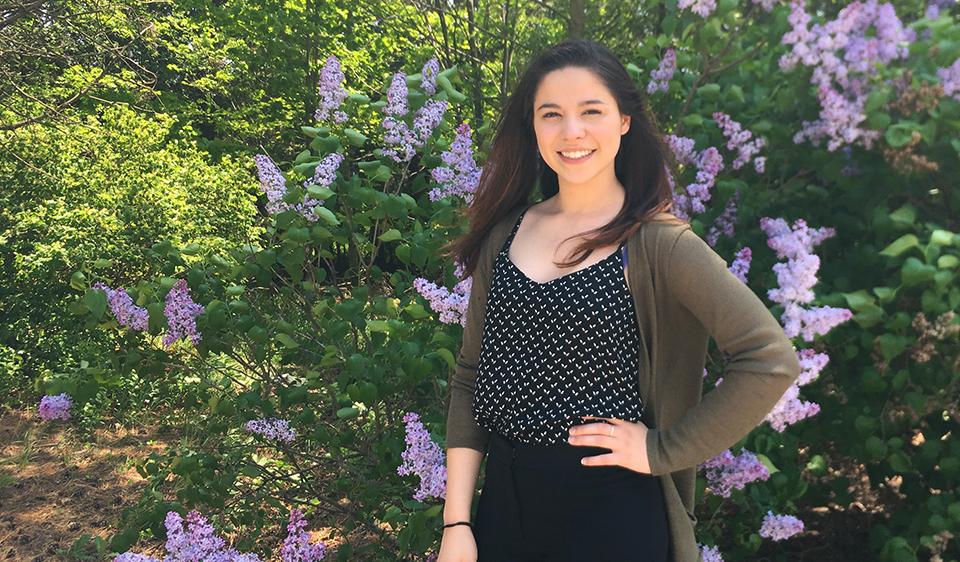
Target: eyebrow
587,102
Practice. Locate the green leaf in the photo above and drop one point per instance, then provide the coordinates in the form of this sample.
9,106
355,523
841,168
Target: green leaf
885,294
287,341
915,272
904,216
858,300
327,216
320,192
765,460
96,301
941,237
356,138
348,412
378,326
390,235
102,263
901,245
899,134
947,261
692,120
78,281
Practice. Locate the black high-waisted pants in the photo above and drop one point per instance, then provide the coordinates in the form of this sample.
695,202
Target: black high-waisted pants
539,503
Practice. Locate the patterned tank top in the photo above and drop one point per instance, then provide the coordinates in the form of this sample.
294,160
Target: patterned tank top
556,351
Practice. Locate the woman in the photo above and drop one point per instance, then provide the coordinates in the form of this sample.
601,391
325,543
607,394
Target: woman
581,375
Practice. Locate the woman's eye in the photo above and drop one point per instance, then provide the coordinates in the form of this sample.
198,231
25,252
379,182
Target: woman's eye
551,113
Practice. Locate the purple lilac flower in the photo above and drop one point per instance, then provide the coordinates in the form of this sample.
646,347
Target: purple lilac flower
332,92
397,96
790,409
429,72
933,11
710,553
702,8
297,546
738,139
131,557
780,527
274,185
274,429
726,472
845,54
123,309
660,78
726,221
427,118
950,78
708,162
811,364
55,407
326,171
424,458
450,304
741,263
181,313
461,175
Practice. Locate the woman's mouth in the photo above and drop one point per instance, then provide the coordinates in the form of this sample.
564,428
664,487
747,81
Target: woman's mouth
576,157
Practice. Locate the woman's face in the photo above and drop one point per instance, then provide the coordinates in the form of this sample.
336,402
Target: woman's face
574,112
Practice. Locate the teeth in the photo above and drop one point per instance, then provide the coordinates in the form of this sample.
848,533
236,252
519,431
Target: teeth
579,154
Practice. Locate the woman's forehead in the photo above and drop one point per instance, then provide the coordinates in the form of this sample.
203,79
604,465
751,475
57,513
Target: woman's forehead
571,87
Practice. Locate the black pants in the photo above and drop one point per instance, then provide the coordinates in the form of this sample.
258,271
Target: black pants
539,503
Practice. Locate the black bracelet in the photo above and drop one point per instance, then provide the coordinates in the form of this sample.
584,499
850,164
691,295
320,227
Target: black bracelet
467,523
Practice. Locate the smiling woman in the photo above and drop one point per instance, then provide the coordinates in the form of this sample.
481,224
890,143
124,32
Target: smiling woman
585,389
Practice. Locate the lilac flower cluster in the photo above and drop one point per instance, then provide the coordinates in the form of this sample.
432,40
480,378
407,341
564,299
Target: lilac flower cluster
790,409
741,263
710,553
797,277
725,222
55,407
181,313
274,185
935,7
950,77
332,93
780,527
424,458
451,305
664,73
739,139
725,472
402,142
274,429
324,176
708,163
702,8
297,546
461,175
121,305
429,72
197,542
844,56
811,365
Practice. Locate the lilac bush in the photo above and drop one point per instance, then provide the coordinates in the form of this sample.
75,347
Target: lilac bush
297,546
332,93
461,175
780,527
726,472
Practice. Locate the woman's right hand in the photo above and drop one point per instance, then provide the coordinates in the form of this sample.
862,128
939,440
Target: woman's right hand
458,545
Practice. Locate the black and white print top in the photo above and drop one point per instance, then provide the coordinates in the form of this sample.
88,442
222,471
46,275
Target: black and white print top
556,351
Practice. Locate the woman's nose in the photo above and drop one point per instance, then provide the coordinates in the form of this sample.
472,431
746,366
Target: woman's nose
572,129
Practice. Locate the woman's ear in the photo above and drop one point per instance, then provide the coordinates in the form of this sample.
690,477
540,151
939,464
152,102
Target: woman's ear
624,124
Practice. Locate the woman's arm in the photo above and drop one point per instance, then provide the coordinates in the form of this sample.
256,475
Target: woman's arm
763,362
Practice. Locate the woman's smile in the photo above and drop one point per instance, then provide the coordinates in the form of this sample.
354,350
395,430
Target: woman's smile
576,157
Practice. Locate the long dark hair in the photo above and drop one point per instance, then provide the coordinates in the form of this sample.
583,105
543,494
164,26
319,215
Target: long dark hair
514,165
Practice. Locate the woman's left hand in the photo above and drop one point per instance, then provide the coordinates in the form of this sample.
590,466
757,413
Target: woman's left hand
627,444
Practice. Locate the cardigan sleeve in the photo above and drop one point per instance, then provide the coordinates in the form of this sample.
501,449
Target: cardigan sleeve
763,362
462,427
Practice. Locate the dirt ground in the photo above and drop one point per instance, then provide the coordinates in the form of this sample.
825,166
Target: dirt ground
54,488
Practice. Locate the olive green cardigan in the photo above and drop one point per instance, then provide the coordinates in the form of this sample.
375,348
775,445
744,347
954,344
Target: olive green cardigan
683,294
